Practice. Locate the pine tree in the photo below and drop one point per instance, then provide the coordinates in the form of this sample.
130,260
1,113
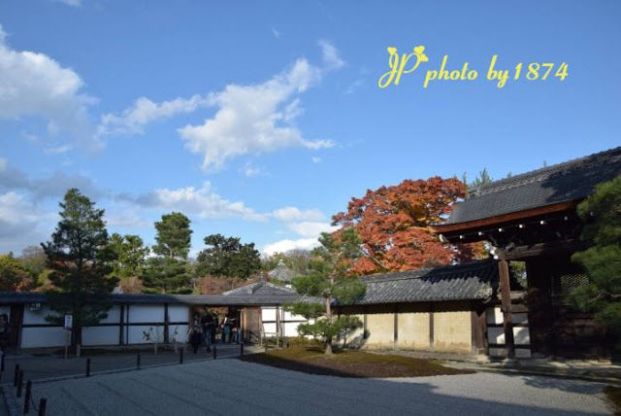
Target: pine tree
228,257
330,280
602,261
169,271
80,259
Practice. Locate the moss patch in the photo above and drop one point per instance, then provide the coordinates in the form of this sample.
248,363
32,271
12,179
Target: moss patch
350,363
614,395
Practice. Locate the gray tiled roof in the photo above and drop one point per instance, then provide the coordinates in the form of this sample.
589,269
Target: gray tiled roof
474,281
257,299
281,272
261,288
568,181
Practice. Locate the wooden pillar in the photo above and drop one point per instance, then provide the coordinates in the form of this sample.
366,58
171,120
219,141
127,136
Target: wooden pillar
479,330
395,339
505,301
122,324
166,324
278,329
431,328
365,327
127,322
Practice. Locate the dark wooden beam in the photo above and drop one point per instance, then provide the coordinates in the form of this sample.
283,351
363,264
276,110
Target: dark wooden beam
498,220
121,324
166,324
505,300
431,330
479,331
396,326
539,249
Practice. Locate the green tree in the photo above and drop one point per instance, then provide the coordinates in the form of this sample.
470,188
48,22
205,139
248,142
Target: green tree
173,236
601,213
131,254
481,180
80,258
167,275
170,270
13,276
328,279
227,257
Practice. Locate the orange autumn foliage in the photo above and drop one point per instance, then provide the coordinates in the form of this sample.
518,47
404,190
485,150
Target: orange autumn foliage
393,223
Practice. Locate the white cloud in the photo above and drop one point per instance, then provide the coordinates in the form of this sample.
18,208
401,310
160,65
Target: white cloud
250,170
33,84
74,3
330,55
2,164
316,159
310,229
276,33
254,119
19,221
144,111
284,246
290,214
56,150
202,201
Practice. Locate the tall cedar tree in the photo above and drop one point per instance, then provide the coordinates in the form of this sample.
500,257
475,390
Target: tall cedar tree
169,271
329,279
602,261
173,236
80,259
228,257
393,223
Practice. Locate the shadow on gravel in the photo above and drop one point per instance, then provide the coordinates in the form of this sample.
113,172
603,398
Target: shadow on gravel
556,383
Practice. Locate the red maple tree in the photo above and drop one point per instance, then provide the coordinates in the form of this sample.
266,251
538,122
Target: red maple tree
393,223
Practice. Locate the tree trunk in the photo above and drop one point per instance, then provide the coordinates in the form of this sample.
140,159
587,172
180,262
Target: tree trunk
329,318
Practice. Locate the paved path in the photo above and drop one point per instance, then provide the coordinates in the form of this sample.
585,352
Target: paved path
231,387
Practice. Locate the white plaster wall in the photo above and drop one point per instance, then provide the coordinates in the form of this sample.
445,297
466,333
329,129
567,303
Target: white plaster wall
182,333
147,313
114,315
136,336
496,335
269,330
43,337
100,335
290,329
494,316
178,313
37,317
268,314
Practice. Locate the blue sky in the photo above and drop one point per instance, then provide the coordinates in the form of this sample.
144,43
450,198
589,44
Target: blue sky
262,119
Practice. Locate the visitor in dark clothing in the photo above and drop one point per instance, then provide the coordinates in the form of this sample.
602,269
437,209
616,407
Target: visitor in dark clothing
195,338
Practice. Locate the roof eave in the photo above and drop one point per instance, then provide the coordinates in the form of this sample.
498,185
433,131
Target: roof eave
474,225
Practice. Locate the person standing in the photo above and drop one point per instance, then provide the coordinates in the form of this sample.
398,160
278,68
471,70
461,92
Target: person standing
4,332
195,337
208,327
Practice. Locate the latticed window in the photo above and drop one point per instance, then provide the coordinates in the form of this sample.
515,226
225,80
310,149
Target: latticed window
568,282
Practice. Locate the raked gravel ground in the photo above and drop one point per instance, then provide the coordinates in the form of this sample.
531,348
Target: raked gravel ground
231,387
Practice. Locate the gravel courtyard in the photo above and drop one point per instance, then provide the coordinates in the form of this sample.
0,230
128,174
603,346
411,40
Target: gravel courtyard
231,387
